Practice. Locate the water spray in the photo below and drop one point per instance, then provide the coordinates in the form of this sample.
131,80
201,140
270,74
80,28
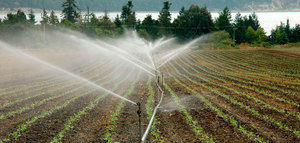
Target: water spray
173,54
96,46
14,50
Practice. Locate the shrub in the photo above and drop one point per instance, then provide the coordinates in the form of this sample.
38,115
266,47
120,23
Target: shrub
219,40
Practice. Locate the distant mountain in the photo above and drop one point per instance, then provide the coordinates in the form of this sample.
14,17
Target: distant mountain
155,5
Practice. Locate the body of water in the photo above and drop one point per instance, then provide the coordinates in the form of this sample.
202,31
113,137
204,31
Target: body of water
268,20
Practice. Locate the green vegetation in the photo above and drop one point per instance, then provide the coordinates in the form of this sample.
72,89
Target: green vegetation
68,126
190,23
63,87
111,128
225,116
204,137
155,132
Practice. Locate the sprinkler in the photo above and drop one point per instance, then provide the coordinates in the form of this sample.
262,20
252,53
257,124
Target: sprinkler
139,112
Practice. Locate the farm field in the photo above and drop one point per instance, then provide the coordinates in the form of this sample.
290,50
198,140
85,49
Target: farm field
210,96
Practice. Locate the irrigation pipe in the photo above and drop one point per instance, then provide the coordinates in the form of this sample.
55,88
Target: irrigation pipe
154,112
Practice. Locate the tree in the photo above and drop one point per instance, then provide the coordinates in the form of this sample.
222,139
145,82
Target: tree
31,17
18,18
15,24
117,21
288,30
223,22
239,28
53,20
45,17
193,22
241,25
250,35
106,27
70,10
252,21
279,36
150,26
295,34
181,12
219,40
87,16
11,18
127,10
165,18
261,35
90,27
128,15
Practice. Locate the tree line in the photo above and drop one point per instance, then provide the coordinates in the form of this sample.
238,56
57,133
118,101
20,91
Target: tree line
145,5
190,23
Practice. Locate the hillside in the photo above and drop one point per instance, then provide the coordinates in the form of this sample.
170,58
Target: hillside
154,5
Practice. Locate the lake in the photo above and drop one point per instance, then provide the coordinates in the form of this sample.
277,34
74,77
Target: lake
268,20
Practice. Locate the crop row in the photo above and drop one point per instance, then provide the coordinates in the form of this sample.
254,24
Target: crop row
22,127
77,116
250,67
215,75
228,67
248,108
155,132
266,105
225,116
189,119
43,87
260,62
244,68
255,89
38,103
52,78
264,61
249,82
111,128
28,71
270,56
35,85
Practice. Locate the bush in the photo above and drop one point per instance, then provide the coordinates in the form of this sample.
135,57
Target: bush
266,45
219,40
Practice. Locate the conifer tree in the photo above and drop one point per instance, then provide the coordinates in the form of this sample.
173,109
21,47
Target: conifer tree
45,17
117,21
70,10
223,22
128,15
165,18
31,17
53,20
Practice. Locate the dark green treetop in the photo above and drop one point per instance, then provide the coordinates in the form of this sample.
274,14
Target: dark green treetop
193,22
45,17
165,18
223,22
128,15
31,17
53,20
70,10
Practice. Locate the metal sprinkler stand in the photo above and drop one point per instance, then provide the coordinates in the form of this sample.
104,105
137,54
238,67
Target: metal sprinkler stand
139,112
